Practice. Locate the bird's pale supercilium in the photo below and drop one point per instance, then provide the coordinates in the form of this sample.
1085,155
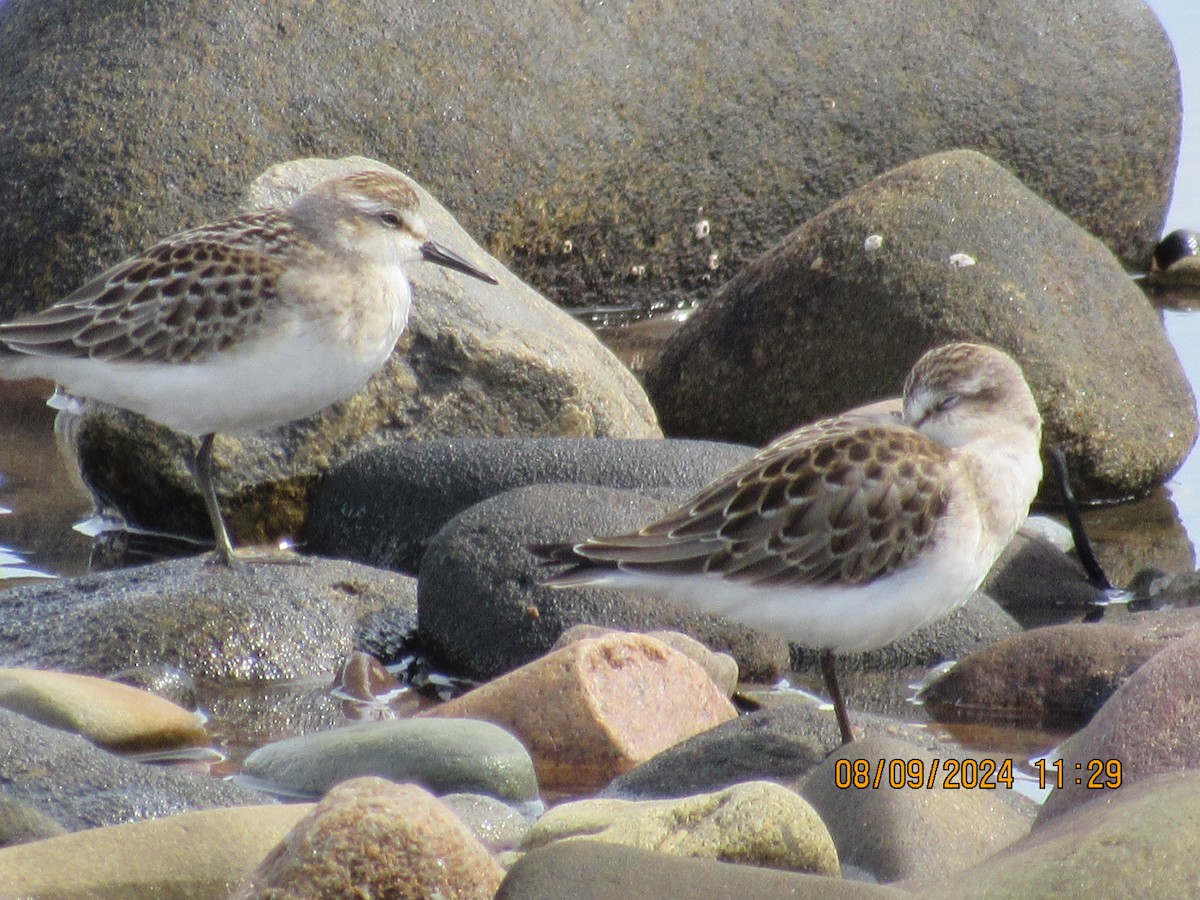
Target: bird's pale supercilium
243,324
848,533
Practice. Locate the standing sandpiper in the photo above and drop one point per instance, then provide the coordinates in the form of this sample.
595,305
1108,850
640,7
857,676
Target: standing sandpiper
848,533
244,324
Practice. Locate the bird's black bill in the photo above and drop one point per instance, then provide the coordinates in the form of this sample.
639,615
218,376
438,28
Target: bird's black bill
435,253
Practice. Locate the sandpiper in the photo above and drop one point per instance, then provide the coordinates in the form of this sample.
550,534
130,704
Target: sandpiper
848,533
243,324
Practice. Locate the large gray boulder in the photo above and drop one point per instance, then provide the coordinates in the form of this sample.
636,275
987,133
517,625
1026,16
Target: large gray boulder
948,247
608,152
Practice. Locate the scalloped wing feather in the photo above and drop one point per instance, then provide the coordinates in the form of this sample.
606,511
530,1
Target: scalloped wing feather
183,299
844,501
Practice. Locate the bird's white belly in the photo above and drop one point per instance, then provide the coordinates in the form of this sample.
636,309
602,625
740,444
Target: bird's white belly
292,373
296,366
837,617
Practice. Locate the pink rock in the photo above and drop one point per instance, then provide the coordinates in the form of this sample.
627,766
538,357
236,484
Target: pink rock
591,710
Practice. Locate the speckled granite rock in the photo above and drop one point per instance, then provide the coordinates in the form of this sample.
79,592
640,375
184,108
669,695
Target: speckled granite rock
610,152
260,621
369,837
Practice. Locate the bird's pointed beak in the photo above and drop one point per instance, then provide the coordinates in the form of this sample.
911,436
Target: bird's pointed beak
434,252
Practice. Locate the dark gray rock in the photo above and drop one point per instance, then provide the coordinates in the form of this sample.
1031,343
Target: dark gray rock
81,786
965,251
475,358
585,145
381,507
265,620
481,608
442,755
597,870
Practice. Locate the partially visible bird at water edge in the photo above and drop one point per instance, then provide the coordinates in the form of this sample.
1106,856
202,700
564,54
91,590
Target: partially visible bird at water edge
846,534
243,324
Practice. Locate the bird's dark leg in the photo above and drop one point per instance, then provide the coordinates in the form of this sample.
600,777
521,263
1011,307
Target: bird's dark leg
1083,546
829,670
204,475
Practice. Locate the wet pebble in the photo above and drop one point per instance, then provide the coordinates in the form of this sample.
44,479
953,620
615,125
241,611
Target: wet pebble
107,713
443,755
1057,675
196,854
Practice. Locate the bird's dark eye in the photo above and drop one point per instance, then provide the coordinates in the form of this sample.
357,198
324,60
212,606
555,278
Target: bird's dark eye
390,219
948,402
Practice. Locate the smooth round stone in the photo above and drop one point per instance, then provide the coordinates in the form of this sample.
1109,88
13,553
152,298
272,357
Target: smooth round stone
755,822
939,249
112,715
894,833
190,855
584,869
1059,674
444,755
383,506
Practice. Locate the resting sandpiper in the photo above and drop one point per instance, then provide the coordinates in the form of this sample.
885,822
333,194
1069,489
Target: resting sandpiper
848,533
243,324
